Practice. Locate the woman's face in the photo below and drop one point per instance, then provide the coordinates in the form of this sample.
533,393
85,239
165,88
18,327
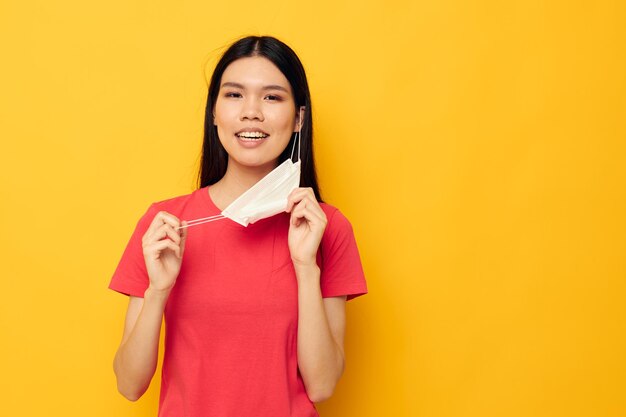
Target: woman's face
254,112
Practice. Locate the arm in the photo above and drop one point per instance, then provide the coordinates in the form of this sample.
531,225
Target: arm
136,358
321,322
321,328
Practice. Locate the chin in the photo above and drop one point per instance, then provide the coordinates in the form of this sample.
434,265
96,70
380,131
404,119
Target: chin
253,162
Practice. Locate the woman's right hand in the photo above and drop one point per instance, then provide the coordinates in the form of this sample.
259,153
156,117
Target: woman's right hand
163,248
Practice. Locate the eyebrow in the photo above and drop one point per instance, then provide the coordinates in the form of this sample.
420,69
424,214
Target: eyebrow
266,87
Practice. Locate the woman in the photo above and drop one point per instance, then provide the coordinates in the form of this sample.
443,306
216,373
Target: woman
255,316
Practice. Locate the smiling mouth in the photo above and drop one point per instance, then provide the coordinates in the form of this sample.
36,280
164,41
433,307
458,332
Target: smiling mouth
251,135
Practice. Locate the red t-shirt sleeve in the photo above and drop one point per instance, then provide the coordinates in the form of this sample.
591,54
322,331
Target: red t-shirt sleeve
130,276
341,269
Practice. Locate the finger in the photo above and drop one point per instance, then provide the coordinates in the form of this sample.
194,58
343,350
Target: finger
304,211
296,217
170,219
299,194
163,217
313,205
162,232
291,200
156,222
154,250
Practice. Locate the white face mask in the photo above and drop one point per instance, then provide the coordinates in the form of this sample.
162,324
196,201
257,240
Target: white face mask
266,198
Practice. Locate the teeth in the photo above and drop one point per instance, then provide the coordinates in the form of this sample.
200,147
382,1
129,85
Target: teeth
252,135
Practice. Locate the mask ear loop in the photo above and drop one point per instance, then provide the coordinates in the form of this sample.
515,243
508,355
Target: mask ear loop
293,148
201,221
297,137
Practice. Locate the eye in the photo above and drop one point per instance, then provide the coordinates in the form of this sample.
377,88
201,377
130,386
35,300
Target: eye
273,97
232,94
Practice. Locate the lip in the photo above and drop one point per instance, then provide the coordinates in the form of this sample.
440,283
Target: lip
250,143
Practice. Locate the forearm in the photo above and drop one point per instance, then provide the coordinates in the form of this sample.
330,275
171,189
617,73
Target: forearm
320,359
136,359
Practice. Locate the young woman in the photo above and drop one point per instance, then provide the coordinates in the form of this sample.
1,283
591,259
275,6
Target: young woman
254,316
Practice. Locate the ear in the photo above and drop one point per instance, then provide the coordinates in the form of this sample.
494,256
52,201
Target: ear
214,124
300,118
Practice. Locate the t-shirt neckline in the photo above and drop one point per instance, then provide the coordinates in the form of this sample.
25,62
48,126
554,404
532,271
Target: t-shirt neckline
213,209
209,201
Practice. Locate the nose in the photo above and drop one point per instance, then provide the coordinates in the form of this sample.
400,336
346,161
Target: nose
251,110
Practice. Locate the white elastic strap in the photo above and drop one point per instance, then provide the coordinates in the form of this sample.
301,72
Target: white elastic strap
202,221
293,148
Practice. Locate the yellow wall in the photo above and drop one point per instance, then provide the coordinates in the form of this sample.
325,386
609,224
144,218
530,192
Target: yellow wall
477,147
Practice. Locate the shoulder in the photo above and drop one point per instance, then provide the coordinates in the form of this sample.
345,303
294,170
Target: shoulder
337,222
176,204
180,205
340,262
177,201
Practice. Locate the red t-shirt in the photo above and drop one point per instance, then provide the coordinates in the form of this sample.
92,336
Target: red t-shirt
231,319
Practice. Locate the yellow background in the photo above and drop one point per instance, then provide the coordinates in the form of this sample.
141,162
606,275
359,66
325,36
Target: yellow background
479,149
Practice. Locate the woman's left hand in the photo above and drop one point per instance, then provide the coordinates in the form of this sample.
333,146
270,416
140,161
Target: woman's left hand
306,226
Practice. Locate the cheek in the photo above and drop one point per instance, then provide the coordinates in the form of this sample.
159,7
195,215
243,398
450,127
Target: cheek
223,113
283,119
221,122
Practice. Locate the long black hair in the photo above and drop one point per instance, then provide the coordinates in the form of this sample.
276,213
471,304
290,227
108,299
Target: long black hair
214,158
